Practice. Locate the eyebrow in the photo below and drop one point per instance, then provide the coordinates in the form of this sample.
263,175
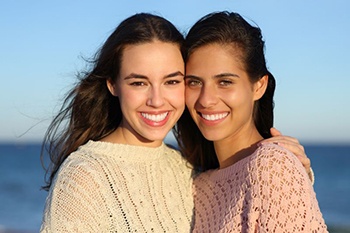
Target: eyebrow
222,75
140,76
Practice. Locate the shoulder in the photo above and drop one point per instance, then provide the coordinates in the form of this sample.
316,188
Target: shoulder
283,186
80,171
93,156
84,157
80,168
274,162
76,192
274,154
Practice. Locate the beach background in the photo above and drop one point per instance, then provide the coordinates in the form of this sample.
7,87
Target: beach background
44,44
22,200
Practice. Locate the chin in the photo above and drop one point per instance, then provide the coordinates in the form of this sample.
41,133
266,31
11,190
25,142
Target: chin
212,137
155,137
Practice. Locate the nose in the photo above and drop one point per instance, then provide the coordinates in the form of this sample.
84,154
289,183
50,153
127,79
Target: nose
208,96
155,98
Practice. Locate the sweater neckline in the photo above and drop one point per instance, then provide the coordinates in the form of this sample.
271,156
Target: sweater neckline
228,172
126,152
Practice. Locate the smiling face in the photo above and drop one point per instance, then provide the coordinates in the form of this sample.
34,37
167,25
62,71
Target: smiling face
219,94
150,88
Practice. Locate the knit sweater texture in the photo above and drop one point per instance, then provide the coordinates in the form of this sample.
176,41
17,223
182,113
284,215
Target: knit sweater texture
268,191
106,187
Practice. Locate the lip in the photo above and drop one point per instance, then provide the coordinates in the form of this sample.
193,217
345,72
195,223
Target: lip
212,118
155,119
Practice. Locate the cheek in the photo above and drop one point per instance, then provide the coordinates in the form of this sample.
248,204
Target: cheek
178,97
191,97
242,99
129,99
241,94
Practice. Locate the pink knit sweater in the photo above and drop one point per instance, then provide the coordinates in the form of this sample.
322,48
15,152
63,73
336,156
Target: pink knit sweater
268,191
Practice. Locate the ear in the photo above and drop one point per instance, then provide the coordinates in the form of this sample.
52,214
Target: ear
111,87
260,87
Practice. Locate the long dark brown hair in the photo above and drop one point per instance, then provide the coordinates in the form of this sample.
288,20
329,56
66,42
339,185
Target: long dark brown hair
230,29
89,111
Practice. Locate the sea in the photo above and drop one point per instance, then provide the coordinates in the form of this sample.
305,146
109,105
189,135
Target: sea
22,175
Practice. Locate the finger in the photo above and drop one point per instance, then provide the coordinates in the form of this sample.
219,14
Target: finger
289,143
295,148
306,162
282,138
275,132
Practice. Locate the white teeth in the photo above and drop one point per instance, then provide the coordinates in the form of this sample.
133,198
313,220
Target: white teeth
214,117
156,118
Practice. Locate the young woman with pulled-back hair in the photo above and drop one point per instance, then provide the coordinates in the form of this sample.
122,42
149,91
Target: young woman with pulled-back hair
247,184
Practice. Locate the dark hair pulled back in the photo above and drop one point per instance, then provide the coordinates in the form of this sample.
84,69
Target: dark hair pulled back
229,29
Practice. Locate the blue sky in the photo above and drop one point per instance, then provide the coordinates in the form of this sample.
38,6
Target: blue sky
307,49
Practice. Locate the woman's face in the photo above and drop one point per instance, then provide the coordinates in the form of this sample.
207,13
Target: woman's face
219,95
150,89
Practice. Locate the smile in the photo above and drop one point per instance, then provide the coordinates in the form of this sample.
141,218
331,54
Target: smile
155,117
214,117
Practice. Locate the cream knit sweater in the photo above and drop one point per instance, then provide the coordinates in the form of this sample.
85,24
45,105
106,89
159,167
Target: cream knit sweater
105,187
268,191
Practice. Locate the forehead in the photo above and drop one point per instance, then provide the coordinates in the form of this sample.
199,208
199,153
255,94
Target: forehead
215,58
152,57
150,51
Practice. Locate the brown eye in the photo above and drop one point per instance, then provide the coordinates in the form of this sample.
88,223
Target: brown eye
225,82
137,84
193,82
173,82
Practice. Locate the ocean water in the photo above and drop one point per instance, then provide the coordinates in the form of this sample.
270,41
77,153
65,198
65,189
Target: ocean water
22,200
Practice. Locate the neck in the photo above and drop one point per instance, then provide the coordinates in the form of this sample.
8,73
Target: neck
237,147
124,136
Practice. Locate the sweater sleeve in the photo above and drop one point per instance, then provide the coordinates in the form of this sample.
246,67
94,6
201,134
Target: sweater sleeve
288,201
74,202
